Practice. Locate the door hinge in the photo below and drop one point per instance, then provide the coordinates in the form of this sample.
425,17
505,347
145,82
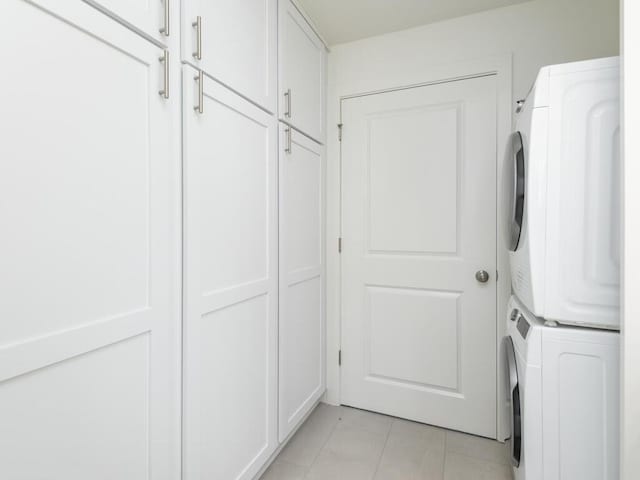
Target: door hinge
497,275
339,358
340,245
339,132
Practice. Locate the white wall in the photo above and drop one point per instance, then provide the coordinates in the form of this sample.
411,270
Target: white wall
534,34
630,410
540,32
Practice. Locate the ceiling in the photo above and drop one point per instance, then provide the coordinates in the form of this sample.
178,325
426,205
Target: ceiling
346,20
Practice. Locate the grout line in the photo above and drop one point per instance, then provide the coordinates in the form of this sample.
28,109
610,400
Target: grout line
333,429
388,435
444,457
475,458
386,441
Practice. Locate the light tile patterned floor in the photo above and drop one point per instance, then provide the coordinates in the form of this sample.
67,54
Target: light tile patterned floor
341,443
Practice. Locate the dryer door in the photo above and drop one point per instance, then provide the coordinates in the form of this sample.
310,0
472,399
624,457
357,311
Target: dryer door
514,178
514,401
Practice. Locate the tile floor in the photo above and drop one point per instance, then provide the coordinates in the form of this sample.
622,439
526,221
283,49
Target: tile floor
341,443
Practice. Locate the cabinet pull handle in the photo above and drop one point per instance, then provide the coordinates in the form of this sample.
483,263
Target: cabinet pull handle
198,26
287,132
287,96
164,59
165,30
200,79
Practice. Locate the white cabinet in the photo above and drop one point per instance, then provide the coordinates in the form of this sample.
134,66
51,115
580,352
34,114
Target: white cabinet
91,246
154,18
89,251
302,67
235,42
301,318
230,282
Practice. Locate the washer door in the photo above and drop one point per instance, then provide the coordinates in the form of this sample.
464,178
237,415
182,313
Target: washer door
514,400
514,190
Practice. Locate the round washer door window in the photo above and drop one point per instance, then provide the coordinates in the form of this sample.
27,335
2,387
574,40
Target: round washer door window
514,400
515,191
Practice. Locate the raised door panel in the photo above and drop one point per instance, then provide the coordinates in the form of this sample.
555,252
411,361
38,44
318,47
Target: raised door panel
237,47
230,275
90,308
301,319
302,64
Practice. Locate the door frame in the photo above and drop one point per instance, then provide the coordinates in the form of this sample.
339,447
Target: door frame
501,67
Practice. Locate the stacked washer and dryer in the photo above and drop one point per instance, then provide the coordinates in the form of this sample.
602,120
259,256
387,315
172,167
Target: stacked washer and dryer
562,347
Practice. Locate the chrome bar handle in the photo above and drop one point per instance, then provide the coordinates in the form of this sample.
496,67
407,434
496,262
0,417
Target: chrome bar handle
165,30
200,79
198,26
287,132
287,96
164,59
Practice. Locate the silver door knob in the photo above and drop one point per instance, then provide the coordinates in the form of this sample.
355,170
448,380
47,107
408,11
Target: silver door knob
482,276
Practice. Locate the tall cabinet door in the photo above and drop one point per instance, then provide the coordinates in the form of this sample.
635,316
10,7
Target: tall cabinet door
302,64
230,283
89,310
234,42
301,328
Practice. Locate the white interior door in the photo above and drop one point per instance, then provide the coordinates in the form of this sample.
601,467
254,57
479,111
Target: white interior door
230,284
89,204
419,220
302,63
301,315
238,45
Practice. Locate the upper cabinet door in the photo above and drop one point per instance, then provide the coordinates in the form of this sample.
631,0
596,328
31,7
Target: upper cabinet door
234,42
89,208
152,17
302,73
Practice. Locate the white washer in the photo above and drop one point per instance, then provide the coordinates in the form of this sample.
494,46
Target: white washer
563,394
563,184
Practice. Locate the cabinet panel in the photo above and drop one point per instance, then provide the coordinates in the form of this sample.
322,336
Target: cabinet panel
89,402
238,45
90,306
230,283
302,63
301,318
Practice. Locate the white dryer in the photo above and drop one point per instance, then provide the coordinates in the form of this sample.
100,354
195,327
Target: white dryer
563,395
562,184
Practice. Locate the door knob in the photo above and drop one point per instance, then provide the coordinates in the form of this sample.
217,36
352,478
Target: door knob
482,276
